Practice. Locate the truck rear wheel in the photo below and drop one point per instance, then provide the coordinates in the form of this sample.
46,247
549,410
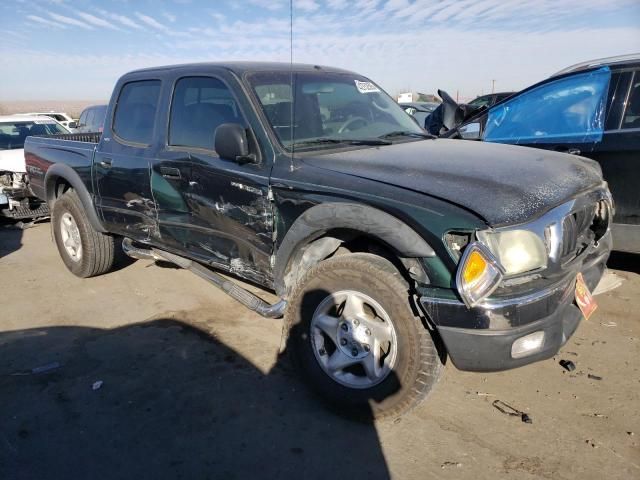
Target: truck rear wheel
85,251
356,341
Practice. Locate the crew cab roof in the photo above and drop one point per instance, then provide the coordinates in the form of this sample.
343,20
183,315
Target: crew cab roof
240,68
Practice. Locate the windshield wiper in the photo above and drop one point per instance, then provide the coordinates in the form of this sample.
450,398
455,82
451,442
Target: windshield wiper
407,133
349,141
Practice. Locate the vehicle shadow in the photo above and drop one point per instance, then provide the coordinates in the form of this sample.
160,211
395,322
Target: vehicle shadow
10,238
627,262
174,402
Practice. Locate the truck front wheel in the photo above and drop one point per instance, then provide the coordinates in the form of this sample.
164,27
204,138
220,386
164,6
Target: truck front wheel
356,341
84,251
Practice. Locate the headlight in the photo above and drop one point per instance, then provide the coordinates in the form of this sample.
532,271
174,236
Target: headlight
518,251
479,274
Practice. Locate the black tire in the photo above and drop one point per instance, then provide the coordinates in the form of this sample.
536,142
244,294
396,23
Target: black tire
418,365
99,250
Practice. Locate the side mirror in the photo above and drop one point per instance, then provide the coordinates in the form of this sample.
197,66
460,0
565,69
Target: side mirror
470,131
72,124
230,142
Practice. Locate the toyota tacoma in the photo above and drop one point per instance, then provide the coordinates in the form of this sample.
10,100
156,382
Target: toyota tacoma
390,250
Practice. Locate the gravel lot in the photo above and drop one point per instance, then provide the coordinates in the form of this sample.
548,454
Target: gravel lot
192,387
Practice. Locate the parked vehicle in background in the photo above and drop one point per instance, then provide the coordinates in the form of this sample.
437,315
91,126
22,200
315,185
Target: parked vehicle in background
591,109
16,199
490,99
92,119
389,249
419,110
61,117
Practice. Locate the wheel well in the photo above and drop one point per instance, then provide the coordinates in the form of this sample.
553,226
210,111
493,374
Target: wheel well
59,187
344,241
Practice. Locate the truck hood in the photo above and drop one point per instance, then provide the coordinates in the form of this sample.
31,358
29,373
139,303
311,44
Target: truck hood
503,184
12,161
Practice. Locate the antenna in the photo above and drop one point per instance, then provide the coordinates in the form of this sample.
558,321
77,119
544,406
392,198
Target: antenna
293,93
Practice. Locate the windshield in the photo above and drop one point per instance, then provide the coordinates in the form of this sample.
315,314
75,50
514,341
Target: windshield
13,134
328,109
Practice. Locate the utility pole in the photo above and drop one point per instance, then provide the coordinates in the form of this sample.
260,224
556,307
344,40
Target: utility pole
493,86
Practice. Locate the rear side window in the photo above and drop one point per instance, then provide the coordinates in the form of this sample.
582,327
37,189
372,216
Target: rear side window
136,111
199,106
83,118
631,117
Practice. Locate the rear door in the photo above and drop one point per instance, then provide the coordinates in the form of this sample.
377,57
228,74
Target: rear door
216,209
122,161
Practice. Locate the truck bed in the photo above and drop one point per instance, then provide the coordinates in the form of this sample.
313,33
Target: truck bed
74,150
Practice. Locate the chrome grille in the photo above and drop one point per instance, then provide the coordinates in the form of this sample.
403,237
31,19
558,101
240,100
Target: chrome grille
577,233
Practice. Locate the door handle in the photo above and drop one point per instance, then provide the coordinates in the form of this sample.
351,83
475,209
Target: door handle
105,163
170,172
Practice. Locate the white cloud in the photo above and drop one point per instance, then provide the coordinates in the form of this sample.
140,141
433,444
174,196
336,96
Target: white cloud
270,4
152,22
98,22
172,18
126,21
418,44
306,5
69,21
218,17
44,21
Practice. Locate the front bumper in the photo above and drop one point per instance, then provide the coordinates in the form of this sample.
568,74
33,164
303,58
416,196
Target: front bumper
480,338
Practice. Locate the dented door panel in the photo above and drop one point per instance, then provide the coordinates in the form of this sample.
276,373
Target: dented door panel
231,222
170,173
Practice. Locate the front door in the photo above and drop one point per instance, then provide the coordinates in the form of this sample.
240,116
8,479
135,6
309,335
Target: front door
217,210
565,114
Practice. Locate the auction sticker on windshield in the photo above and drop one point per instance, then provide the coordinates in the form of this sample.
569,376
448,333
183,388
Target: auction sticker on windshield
584,299
366,87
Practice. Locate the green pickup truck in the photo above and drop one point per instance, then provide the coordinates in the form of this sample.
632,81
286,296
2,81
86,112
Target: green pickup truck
390,250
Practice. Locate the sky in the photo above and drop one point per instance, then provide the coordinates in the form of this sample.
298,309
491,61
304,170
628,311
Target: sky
76,49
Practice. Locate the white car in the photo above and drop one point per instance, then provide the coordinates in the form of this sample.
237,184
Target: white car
61,117
16,200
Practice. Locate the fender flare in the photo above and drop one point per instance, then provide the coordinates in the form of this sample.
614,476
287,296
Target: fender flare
321,218
69,175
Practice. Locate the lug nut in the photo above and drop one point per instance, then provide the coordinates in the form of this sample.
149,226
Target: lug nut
345,327
322,351
366,348
343,341
356,322
354,352
367,331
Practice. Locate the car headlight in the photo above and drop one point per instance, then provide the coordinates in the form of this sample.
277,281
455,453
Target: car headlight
518,251
479,274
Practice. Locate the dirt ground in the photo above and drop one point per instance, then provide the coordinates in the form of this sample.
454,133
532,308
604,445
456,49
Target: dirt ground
148,372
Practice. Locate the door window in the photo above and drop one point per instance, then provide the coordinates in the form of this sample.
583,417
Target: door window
83,119
631,117
199,106
136,111
567,110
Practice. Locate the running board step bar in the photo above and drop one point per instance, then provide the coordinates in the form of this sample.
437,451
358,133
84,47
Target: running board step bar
232,289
